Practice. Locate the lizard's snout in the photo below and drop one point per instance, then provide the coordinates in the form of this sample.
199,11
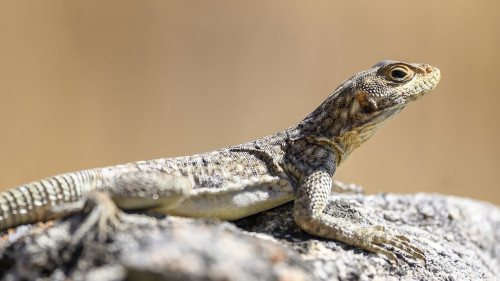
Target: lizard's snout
429,69
432,73
426,68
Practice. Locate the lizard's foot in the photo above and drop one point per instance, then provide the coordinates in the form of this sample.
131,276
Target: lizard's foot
102,212
369,238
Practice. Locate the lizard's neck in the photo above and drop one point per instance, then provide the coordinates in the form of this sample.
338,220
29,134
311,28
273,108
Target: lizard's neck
330,122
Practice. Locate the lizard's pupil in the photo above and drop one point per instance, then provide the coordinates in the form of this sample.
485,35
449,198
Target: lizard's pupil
398,74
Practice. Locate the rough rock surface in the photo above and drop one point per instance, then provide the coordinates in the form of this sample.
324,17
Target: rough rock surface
460,238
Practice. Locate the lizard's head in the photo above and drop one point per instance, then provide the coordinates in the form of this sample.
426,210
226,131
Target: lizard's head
389,87
370,98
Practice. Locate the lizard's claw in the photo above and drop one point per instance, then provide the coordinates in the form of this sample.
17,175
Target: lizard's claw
370,238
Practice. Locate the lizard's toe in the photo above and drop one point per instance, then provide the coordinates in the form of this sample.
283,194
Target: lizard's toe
371,237
102,213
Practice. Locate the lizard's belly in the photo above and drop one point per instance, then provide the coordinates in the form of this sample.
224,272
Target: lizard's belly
231,203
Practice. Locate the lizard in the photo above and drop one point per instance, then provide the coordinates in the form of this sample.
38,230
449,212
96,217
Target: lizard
297,164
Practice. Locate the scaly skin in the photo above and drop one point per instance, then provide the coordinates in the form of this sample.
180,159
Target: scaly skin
230,183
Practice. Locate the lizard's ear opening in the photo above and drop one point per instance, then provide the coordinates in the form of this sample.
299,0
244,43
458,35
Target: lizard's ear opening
366,103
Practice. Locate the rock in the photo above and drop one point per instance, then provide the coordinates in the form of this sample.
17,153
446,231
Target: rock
460,238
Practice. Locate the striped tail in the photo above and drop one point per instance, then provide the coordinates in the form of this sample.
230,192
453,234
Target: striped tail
34,202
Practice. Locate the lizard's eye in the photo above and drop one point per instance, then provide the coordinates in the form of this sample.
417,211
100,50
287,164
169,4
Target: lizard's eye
400,74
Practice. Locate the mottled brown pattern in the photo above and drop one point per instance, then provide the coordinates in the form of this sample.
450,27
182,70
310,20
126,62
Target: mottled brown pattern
297,163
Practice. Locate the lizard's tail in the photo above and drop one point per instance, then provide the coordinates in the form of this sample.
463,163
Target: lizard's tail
33,202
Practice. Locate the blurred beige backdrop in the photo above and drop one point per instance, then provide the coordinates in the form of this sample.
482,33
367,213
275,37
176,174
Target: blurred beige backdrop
94,83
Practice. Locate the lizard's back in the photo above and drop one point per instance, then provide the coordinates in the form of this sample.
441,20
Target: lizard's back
230,183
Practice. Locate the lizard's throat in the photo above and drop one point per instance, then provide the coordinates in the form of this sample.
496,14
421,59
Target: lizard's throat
347,141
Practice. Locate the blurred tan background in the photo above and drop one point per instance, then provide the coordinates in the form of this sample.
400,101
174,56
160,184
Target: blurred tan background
94,83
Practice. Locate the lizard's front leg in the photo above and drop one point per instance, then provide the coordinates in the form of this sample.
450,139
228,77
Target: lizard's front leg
310,202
